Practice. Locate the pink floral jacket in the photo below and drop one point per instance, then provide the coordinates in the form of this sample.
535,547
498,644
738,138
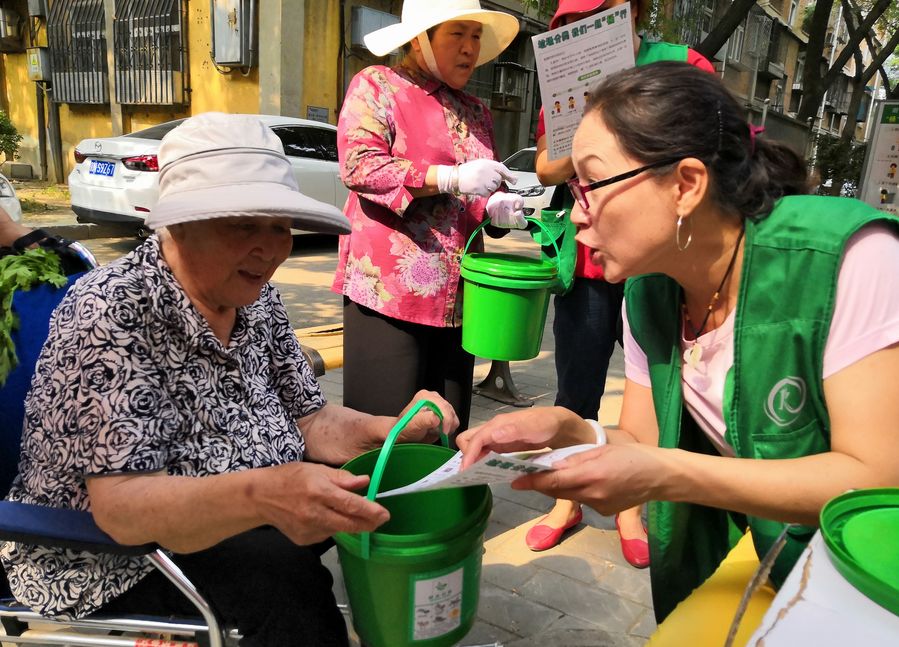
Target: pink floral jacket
402,258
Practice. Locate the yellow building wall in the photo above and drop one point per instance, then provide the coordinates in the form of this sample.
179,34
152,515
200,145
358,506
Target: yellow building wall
21,103
321,48
209,89
213,90
328,67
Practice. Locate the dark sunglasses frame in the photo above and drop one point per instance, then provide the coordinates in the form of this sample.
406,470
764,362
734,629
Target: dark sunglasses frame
579,191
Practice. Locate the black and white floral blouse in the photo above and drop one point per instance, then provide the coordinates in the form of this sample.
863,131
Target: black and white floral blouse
133,380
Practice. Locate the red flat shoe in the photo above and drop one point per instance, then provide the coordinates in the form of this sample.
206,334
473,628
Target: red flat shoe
635,551
543,537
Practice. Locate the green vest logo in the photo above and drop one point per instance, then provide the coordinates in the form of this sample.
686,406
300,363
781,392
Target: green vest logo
786,400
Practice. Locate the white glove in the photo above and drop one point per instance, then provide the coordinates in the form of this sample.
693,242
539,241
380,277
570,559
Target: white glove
479,177
506,210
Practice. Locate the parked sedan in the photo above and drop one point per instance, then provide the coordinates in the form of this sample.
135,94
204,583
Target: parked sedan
536,196
116,179
9,202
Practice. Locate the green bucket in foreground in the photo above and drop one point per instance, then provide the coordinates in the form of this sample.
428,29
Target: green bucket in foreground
859,529
420,583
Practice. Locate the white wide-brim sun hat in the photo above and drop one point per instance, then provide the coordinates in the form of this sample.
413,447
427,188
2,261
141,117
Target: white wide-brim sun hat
217,165
419,16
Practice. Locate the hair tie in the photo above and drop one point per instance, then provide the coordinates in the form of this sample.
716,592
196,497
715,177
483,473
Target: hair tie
720,127
753,131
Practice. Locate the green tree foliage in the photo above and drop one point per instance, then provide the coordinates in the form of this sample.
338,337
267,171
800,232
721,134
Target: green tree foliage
9,138
840,162
868,23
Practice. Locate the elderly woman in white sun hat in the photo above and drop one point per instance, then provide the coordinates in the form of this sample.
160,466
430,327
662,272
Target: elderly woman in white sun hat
172,400
419,156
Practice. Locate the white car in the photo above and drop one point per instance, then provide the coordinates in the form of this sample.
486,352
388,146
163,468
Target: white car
536,196
9,202
116,179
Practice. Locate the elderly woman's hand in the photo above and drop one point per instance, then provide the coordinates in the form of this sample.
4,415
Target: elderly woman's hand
425,427
309,503
522,430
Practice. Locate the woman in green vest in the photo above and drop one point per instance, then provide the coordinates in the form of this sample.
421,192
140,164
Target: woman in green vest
592,306
761,332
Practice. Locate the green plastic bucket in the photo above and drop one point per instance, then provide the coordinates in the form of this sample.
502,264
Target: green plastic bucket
506,297
859,529
416,580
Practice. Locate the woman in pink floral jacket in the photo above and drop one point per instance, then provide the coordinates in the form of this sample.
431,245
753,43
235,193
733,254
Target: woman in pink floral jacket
418,155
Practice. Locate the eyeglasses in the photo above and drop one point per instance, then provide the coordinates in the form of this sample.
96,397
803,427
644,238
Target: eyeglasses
580,191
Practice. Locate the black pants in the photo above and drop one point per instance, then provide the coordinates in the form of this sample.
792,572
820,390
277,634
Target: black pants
385,361
277,594
586,325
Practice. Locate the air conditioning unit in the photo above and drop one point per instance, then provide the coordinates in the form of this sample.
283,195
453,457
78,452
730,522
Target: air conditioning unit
232,26
10,31
365,20
37,8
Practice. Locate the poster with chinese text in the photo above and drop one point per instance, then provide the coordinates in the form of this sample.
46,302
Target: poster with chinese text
880,179
570,61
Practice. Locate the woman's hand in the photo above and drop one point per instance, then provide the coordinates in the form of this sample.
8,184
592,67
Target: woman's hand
609,479
306,502
478,177
309,503
425,427
522,430
506,210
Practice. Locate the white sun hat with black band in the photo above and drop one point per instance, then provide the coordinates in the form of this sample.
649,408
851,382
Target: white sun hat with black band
216,165
499,29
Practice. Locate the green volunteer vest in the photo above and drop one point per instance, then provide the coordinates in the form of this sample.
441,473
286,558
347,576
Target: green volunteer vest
653,52
774,395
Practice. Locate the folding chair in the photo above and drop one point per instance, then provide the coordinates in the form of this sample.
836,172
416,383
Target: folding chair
76,529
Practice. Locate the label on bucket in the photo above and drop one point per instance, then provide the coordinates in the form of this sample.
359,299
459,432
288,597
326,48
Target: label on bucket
437,602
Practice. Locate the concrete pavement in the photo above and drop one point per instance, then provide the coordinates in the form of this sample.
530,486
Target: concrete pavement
580,593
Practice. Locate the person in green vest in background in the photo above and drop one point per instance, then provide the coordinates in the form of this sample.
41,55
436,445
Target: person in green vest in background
761,337
592,307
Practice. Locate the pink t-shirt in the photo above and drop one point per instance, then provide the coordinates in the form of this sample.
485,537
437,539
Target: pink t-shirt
865,320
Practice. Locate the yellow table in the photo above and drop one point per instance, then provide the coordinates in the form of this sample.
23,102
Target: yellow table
704,618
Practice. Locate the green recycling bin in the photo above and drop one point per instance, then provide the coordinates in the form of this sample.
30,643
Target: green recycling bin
506,297
415,581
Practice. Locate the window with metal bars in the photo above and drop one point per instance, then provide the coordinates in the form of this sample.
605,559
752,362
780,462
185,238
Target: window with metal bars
149,39
76,35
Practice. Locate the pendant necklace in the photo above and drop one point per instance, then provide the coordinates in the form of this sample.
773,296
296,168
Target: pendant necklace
693,354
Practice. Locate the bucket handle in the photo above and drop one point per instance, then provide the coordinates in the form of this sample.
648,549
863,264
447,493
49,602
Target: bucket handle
386,448
536,221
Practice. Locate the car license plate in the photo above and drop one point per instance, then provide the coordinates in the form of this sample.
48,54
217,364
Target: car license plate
106,169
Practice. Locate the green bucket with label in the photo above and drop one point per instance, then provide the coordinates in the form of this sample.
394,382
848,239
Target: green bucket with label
415,581
506,297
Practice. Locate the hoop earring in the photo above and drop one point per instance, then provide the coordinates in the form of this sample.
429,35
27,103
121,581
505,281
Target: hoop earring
677,234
